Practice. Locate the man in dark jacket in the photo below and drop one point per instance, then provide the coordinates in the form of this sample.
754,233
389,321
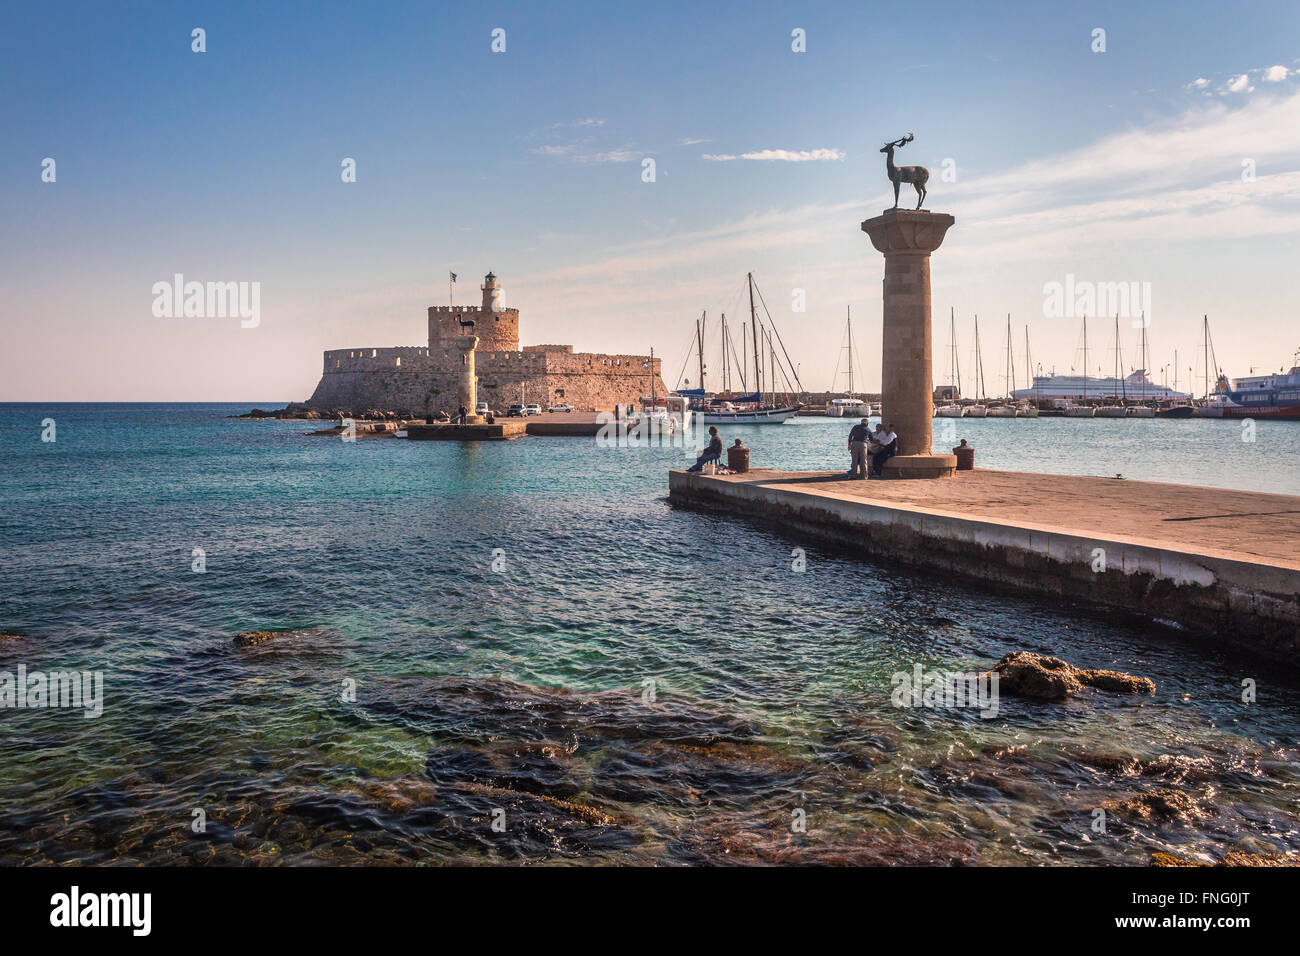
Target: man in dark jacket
712,453
859,435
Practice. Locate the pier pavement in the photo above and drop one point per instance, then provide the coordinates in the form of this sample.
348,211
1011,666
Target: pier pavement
1221,564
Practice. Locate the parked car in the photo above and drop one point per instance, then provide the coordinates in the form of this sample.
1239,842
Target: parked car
562,407
517,410
482,409
532,408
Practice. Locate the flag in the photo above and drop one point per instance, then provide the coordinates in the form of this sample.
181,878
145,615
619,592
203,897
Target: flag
453,276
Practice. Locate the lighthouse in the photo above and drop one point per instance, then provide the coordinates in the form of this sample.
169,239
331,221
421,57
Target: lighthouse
493,294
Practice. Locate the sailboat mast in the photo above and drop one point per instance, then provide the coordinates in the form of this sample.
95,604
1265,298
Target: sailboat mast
1011,363
979,360
849,319
1029,361
744,359
1144,356
703,319
758,361
1205,333
952,345
1085,358
726,372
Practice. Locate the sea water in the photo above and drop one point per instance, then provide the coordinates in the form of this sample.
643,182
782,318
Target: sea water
519,651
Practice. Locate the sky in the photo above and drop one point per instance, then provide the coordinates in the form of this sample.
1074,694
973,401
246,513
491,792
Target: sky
1170,158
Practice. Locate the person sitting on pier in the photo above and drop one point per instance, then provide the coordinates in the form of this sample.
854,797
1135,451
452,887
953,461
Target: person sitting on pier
859,435
888,442
711,454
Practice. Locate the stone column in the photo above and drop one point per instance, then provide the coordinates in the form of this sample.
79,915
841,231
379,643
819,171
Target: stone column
907,237
467,387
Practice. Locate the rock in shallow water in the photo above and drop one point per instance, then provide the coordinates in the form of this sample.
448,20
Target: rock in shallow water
1036,676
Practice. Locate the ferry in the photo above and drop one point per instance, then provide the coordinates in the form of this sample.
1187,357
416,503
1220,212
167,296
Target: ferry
1262,396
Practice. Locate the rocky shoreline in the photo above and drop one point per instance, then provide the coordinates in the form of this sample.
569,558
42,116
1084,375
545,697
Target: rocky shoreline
299,412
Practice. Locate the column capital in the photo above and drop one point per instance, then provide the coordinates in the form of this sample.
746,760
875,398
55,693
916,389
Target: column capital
916,232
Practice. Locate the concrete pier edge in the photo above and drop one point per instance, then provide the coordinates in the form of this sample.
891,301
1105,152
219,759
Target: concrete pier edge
1250,606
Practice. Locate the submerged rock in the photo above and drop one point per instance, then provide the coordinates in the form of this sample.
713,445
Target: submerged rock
1039,677
1234,858
253,638
1158,805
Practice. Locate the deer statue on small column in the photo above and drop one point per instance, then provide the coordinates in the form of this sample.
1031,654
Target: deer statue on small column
918,176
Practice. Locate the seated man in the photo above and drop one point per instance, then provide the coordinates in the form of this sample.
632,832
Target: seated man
888,442
711,454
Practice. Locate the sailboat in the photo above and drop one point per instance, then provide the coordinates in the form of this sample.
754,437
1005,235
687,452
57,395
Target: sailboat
1024,407
1144,410
1007,410
1082,411
752,408
953,408
1115,406
850,405
978,410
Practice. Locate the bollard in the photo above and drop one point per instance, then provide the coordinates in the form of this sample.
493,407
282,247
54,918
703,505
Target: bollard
965,456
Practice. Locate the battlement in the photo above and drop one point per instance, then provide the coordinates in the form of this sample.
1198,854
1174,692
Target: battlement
376,359
549,348
456,309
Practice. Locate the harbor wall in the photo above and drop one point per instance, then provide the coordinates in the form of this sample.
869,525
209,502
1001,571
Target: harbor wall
1247,605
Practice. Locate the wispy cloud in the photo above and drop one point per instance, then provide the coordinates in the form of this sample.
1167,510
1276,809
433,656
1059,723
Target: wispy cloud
585,121
582,154
779,155
691,141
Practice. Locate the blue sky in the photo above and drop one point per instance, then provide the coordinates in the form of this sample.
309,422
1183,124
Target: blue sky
1117,166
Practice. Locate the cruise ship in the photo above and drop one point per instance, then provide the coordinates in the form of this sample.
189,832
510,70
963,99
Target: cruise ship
1135,388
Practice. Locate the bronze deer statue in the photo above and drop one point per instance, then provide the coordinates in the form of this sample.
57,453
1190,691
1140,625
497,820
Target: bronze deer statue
466,322
918,176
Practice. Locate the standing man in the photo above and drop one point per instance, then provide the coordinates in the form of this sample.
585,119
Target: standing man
463,412
858,436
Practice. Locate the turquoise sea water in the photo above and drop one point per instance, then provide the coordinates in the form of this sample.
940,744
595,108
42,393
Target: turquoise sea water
523,696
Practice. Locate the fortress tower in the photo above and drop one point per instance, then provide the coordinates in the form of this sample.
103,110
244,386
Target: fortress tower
497,327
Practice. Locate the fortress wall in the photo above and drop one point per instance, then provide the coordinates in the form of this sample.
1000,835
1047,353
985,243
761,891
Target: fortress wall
408,389
375,359
496,331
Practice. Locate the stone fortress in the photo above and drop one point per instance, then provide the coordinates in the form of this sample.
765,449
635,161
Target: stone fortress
418,380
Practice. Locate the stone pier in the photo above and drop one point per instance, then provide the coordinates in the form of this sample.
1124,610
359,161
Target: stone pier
907,237
467,385
1221,564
